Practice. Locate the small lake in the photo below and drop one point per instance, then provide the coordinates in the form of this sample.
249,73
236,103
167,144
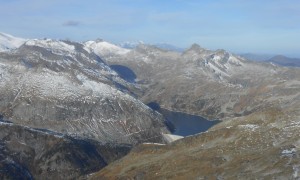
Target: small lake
184,124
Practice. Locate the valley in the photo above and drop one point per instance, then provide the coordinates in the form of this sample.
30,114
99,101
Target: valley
111,109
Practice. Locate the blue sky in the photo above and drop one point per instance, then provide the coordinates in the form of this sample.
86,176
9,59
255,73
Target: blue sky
259,26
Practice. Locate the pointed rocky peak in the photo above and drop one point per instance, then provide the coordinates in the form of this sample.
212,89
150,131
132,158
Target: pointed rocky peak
195,48
224,57
221,51
220,54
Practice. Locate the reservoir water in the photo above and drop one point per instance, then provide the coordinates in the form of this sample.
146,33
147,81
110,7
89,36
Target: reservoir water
184,124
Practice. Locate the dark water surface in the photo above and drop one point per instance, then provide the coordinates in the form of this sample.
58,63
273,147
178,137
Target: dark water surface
187,124
184,124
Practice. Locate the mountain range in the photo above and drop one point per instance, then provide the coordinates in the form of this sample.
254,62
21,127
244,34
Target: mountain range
258,104
90,99
285,61
63,87
276,59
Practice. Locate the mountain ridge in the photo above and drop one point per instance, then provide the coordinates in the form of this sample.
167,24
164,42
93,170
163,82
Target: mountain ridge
9,42
63,76
71,88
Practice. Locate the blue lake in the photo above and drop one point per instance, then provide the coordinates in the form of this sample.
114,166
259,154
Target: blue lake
184,124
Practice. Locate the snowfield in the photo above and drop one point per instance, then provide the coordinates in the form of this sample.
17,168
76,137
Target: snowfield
103,48
9,42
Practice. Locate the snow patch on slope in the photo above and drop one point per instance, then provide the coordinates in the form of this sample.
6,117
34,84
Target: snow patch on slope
98,88
250,127
55,46
9,42
103,48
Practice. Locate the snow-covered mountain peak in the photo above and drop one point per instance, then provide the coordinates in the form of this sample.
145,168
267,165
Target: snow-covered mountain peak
53,45
103,48
9,42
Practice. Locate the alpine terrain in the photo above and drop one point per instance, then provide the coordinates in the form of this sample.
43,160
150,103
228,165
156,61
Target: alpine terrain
258,104
62,87
82,110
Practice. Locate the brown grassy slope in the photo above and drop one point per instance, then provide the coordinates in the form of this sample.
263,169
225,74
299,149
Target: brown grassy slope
242,148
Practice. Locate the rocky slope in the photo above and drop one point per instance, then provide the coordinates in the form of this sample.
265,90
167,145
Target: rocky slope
61,86
264,145
215,84
27,153
69,113
65,87
258,103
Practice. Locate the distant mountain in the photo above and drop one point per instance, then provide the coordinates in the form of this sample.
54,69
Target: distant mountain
130,44
103,48
285,61
164,46
169,47
8,42
256,57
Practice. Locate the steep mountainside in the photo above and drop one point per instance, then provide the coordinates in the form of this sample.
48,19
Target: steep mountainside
61,86
262,145
73,107
258,103
27,153
215,84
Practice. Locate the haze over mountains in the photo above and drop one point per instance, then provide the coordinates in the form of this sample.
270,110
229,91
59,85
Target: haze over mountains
285,61
88,99
277,59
